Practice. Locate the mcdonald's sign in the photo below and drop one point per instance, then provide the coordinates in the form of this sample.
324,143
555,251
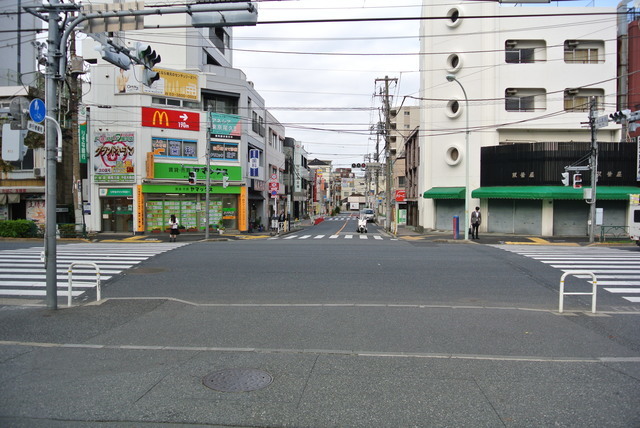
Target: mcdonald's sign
172,119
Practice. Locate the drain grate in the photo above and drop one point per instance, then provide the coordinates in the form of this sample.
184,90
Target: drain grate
237,380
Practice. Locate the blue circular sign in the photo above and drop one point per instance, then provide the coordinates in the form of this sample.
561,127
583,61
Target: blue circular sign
37,110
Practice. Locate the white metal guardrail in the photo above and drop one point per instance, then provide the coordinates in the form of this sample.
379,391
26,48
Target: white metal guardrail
593,292
70,273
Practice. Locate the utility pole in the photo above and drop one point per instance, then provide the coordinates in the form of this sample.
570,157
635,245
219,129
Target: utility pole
594,167
387,148
51,104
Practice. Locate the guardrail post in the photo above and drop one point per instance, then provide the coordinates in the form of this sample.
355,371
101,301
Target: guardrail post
70,279
593,293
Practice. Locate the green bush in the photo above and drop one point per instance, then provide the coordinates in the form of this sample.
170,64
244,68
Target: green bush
67,230
18,229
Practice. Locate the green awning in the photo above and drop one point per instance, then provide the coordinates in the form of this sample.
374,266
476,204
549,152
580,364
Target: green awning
444,193
553,192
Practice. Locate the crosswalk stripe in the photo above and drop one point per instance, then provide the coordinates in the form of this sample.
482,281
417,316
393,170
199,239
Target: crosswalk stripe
22,271
318,237
348,236
334,236
364,237
617,271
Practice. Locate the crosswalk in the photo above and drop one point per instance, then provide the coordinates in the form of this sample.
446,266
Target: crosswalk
23,274
617,271
342,218
354,236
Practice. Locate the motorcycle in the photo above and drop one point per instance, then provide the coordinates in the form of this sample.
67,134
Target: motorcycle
362,224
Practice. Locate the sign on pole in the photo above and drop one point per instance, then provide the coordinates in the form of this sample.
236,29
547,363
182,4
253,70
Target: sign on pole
37,110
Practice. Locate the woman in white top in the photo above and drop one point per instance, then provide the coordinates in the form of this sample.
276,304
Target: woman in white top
174,232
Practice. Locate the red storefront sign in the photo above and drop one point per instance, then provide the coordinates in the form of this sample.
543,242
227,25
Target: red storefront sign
401,195
172,119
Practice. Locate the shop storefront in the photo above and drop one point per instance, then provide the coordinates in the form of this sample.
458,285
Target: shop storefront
190,209
116,206
227,205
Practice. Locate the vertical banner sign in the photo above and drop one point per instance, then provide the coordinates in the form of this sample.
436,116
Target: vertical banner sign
254,162
243,203
140,208
82,134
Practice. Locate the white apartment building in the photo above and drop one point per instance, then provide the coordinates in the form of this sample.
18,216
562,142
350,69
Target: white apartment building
528,81
145,141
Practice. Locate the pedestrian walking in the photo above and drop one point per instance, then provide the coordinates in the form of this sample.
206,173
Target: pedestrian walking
174,231
476,219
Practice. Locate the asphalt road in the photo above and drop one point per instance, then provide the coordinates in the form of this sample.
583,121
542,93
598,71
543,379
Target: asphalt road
353,332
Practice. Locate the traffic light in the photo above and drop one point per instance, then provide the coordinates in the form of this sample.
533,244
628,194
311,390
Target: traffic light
110,54
192,177
149,59
149,76
618,116
225,181
565,178
359,165
577,181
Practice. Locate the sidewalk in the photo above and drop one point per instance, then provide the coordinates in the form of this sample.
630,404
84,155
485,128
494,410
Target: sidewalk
408,232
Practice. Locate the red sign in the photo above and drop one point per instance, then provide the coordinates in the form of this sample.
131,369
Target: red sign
401,195
172,119
274,186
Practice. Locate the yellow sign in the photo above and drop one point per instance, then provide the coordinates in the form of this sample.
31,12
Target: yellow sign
179,85
140,208
243,202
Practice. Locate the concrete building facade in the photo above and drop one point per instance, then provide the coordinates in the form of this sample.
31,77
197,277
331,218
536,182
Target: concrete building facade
529,75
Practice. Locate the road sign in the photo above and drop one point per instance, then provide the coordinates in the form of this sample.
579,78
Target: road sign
35,127
601,121
37,110
274,186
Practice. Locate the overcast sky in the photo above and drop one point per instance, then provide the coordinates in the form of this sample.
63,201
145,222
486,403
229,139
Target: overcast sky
319,79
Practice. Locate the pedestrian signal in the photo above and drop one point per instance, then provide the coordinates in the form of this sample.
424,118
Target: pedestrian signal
577,181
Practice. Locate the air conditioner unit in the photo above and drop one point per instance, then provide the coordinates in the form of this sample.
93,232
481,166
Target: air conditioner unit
38,172
511,92
510,44
571,44
573,91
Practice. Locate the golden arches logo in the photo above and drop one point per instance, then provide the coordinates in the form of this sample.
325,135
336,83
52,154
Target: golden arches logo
160,116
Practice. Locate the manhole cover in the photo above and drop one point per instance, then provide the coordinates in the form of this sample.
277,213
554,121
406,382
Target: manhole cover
237,380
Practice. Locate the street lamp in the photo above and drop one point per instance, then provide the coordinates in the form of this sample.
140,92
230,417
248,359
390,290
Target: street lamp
467,190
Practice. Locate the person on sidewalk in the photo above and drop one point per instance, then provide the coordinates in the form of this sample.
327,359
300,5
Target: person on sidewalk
174,231
476,219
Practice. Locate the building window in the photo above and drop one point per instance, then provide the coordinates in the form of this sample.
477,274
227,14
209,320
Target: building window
224,151
519,56
524,99
195,105
583,51
524,51
578,100
174,147
217,103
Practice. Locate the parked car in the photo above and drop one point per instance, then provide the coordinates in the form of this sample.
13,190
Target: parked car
368,214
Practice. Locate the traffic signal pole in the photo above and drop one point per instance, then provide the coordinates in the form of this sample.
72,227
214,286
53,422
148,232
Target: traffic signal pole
56,71
594,168
51,104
